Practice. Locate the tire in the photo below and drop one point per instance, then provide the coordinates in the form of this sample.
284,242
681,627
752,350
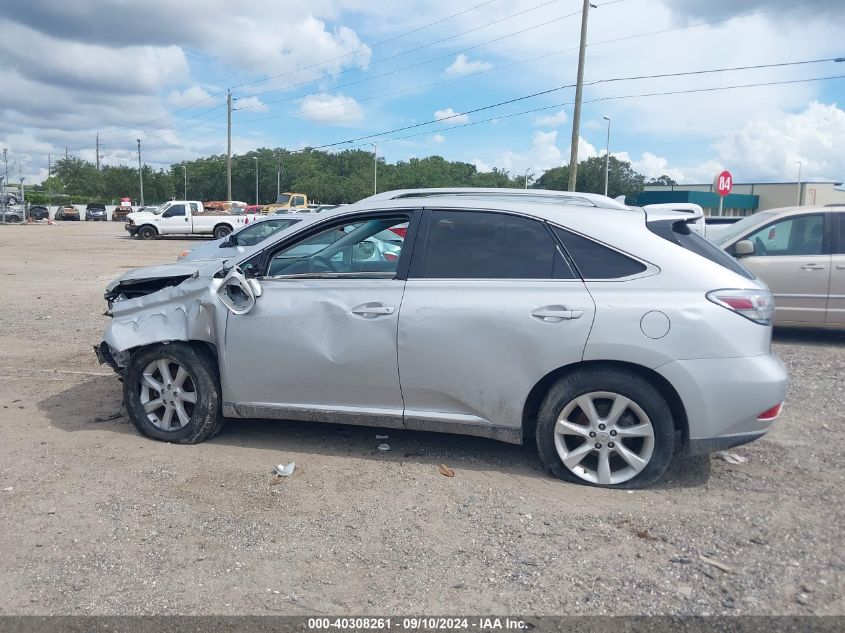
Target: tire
147,233
642,410
221,231
198,420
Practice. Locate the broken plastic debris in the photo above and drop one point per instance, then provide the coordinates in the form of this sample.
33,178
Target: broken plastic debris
9,489
718,565
382,437
384,447
732,458
446,471
284,470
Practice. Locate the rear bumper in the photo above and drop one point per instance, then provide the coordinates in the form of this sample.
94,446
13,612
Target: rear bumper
723,397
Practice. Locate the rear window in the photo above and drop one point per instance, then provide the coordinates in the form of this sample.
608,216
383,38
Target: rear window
678,232
595,261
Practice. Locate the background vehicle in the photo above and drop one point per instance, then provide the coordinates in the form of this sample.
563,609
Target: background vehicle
585,346
67,212
96,211
288,201
123,209
235,243
39,212
224,207
183,217
800,253
12,215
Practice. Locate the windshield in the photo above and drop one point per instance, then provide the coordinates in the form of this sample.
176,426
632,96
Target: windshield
158,210
260,231
740,227
283,198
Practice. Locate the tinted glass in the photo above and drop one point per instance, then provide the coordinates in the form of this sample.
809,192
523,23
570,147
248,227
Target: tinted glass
801,235
260,231
176,210
841,243
679,233
480,245
355,248
595,261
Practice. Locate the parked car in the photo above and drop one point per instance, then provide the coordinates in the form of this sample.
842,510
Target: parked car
125,208
697,225
183,217
96,211
237,242
800,253
12,215
39,212
67,212
610,337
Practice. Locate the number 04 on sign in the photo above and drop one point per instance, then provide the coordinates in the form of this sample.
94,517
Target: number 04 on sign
723,184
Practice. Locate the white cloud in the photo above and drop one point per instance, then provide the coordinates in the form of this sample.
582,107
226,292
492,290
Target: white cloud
331,109
463,66
451,117
252,103
552,120
188,97
439,139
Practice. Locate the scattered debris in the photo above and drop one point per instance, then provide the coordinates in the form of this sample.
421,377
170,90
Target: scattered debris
716,564
9,489
758,541
446,471
412,454
111,416
283,470
731,458
681,560
382,437
384,447
803,599
646,535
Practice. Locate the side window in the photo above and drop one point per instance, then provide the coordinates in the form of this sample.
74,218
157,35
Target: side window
298,201
800,235
595,261
367,247
840,217
486,245
177,210
195,208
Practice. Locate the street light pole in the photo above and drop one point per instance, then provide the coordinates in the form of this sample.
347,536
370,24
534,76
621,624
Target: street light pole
526,177
799,182
185,176
256,179
579,90
607,156
375,168
140,172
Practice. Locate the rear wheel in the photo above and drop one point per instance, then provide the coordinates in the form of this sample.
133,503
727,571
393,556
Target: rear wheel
605,427
147,233
172,393
221,231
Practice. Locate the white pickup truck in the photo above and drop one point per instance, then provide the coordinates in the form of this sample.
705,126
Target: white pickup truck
183,217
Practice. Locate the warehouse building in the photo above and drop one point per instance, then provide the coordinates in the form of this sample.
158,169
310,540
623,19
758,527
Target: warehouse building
746,199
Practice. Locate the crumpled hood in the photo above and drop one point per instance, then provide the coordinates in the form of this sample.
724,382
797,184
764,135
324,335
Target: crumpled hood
204,268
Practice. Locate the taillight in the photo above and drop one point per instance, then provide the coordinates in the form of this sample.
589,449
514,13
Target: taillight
755,305
391,257
771,414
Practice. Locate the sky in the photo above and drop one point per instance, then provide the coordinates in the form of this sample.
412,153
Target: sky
346,73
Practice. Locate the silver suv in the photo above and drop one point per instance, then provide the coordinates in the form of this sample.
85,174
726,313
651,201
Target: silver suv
610,336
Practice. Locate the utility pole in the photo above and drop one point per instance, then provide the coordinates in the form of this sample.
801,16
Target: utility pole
579,90
375,168
607,156
185,175
799,182
97,151
229,145
279,179
140,172
256,179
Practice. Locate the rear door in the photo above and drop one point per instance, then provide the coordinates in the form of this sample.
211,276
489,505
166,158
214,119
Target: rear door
491,306
792,255
836,300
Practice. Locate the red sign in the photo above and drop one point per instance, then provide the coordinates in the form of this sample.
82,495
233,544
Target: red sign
724,183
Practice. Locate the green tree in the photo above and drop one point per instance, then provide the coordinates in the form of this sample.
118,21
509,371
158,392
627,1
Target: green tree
662,180
622,180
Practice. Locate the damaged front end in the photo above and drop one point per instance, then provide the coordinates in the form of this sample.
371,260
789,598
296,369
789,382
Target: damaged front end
159,304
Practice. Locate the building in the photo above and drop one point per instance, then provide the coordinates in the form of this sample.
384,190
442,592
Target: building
746,199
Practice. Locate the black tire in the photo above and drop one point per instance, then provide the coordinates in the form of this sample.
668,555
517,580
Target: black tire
221,231
147,233
617,381
206,417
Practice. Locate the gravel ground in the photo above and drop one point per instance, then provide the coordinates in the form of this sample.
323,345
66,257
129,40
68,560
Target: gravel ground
97,520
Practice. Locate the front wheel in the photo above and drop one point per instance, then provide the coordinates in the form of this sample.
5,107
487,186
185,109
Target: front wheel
172,393
221,231
605,427
147,233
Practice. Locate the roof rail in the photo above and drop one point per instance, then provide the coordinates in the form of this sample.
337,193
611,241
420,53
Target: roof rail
543,195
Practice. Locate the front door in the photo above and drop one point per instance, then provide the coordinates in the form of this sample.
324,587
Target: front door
491,306
320,342
792,257
175,219
836,301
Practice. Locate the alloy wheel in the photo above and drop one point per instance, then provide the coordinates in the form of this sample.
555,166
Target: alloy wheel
168,394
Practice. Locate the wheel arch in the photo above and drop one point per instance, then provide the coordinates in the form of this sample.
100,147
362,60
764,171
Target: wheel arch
147,226
538,392
225,225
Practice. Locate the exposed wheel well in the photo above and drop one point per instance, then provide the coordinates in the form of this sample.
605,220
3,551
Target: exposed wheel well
538,392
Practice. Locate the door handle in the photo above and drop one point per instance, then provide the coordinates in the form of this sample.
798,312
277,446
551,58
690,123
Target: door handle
813,267
840,266
555,314
371,310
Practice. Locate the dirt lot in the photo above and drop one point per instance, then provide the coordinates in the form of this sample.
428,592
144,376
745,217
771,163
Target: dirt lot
97,520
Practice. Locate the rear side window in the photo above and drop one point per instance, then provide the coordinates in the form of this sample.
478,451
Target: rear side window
678,232
489,245
840,246
595,261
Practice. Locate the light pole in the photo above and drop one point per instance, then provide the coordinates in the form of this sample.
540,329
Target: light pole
799,182
279,179
375,168
185,177
140,172
23,201
607,156
256,179
527,172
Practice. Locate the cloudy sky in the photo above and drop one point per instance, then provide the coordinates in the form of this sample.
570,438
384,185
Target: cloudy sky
322,72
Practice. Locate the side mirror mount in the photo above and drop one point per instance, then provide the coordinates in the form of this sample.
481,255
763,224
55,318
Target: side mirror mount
238,293
743,248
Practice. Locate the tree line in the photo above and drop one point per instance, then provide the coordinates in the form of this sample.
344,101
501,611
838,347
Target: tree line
325,177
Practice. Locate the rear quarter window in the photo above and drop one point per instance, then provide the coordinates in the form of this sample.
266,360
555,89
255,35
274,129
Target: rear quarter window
596,261
678,232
